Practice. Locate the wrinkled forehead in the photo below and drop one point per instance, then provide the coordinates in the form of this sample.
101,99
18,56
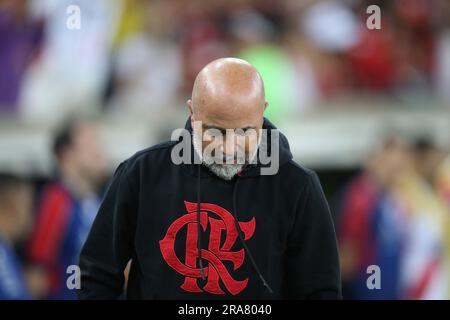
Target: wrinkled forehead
229,109
223,115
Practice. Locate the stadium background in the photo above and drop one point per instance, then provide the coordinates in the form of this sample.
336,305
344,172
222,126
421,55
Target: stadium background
369,110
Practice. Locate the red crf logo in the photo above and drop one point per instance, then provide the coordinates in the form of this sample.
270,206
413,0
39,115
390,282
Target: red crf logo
215,254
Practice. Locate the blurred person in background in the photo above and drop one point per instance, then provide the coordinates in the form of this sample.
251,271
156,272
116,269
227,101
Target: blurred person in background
257,35
68,204
442,179
425,266
330,29
441,72
21,38
372,222
396,221
73,67
16,197
441,183
147,74
428,158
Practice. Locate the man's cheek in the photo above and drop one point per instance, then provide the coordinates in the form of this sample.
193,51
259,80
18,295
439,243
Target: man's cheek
212,148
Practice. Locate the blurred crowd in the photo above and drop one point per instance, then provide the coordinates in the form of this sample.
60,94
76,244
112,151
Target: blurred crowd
43,227
140,56
138,59
395,214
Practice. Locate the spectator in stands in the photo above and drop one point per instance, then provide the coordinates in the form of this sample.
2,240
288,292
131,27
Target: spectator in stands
370,212
425,263
20,40
68,205
16,196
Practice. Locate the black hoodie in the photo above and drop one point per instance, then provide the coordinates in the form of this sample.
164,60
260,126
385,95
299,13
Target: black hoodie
260,236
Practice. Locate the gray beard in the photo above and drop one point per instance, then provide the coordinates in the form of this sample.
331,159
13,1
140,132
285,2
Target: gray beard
224,171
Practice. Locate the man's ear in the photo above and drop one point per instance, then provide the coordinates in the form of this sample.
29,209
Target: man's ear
189,104
266,104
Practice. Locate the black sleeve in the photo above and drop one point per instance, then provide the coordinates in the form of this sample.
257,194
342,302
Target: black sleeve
312,260
109,245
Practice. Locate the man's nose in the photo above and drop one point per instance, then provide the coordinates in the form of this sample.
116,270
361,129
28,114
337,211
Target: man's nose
229,146
229,149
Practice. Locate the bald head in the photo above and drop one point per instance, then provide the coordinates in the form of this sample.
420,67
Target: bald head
228,96
228,93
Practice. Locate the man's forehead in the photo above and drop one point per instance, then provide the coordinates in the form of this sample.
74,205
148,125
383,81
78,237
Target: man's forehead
216,121
227,103
226,114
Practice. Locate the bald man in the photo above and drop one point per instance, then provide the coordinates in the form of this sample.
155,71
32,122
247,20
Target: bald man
220,212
